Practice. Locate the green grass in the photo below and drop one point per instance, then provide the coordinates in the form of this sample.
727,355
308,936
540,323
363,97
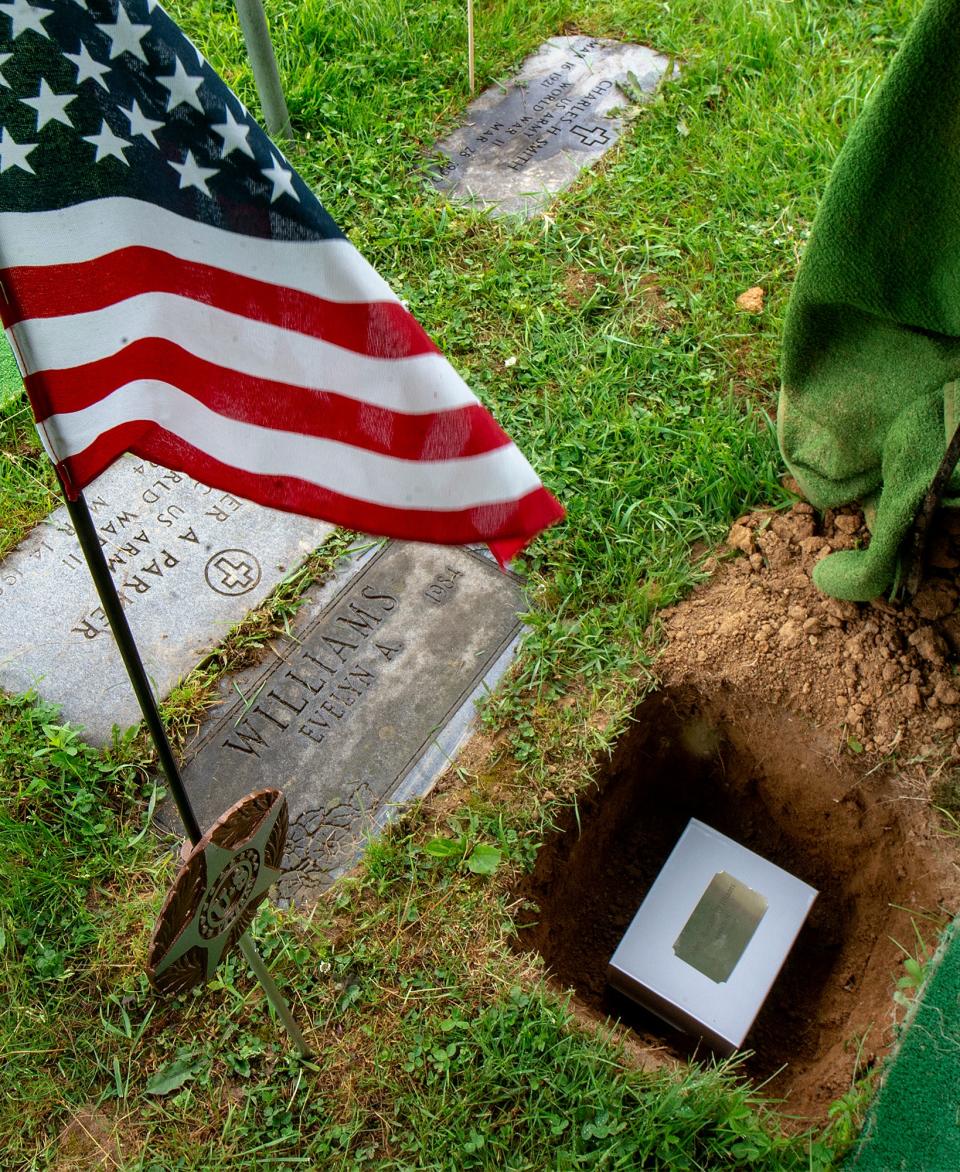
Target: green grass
423,1060
642,395
72,857
27,480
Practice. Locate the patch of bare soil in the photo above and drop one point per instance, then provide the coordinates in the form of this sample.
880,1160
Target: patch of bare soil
653,306
91,1140
578,286
787,721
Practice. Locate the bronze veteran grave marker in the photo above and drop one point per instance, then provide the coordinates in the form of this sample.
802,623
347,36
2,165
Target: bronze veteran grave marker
364,706
188,561
525,142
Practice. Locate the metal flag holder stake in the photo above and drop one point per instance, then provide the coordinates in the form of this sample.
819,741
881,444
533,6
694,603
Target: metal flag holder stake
253,23
227,871
470,54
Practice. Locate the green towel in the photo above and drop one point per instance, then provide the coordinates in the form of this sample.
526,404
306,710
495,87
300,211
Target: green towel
871,344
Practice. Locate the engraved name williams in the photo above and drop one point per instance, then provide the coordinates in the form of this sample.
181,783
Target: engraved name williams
324,683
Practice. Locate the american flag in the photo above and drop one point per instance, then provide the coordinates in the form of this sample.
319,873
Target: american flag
172,288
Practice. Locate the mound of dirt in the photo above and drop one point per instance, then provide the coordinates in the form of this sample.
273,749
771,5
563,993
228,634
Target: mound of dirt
883,677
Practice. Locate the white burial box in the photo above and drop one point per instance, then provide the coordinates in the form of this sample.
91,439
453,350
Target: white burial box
710,937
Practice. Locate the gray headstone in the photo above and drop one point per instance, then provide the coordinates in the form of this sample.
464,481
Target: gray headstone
364,706
189,562
525,142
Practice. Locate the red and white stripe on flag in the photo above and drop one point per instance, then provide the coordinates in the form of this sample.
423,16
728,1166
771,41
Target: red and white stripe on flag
285,371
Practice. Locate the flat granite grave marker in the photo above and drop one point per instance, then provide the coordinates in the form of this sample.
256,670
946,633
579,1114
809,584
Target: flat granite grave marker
189,562
363,706
525,142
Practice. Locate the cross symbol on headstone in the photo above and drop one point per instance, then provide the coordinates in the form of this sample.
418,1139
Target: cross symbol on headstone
234,573
594,136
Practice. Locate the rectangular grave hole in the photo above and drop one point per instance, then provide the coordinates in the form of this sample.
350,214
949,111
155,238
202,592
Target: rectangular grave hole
767,779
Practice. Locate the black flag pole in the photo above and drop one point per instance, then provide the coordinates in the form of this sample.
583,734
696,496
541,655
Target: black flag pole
86,533
231,889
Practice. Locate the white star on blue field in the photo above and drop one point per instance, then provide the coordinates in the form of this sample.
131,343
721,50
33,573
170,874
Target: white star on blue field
109,98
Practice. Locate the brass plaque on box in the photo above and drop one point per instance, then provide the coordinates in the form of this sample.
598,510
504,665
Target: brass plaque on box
720,927
710,937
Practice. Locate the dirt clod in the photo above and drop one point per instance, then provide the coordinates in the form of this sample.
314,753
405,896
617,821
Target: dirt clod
935,600
741,538
751,300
